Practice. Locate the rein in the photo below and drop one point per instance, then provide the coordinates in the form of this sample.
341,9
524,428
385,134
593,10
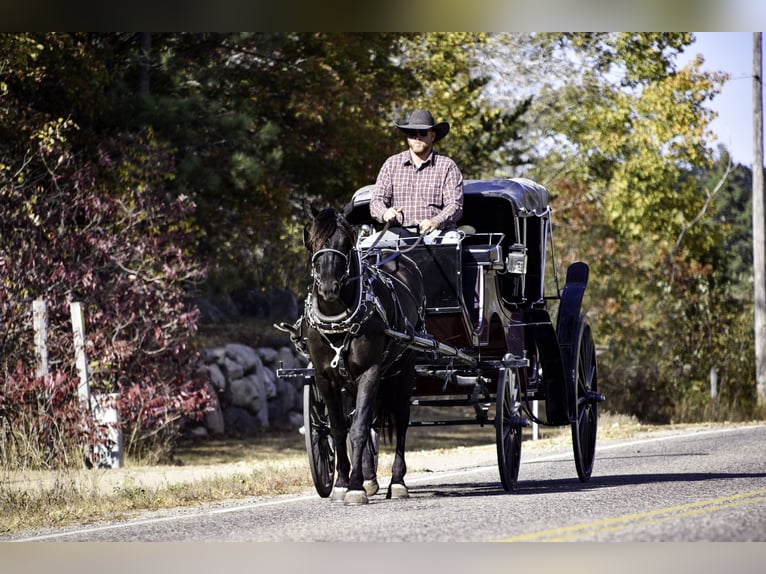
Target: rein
397,252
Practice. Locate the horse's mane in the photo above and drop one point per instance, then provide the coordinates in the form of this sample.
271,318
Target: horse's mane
325,224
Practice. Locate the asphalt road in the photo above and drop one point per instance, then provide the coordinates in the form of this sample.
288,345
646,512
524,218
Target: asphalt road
680,486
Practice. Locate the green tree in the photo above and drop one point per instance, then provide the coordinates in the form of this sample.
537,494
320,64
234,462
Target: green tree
630,137
484,137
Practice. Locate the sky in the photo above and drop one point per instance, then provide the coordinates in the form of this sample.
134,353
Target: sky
730,52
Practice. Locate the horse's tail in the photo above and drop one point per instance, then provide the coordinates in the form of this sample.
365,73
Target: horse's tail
385,411
394,396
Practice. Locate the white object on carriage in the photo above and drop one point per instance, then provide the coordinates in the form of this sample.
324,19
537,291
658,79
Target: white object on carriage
397,240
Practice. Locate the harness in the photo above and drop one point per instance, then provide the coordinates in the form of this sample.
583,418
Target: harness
366,303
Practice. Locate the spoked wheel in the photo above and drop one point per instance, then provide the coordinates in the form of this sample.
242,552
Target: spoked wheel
586,399
319,442
508,425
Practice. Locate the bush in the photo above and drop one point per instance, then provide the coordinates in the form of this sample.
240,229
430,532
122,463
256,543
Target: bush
107,234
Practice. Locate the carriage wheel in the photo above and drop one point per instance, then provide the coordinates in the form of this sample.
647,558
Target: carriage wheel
508,427
319,443
586,398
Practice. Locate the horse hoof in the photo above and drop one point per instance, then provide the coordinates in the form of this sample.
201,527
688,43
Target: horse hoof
399,491
371,487
338,494
355,497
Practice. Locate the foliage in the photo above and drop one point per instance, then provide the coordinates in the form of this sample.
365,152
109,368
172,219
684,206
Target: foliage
633,169
43,423
110,237
484,138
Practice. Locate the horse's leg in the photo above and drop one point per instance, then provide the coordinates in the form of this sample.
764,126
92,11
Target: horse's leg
397,488
370,466
367,386
339,429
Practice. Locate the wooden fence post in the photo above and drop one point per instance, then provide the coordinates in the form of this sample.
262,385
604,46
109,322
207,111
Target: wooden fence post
81,360
40,326
103,407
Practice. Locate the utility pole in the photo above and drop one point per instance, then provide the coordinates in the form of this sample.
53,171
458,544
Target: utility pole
759,223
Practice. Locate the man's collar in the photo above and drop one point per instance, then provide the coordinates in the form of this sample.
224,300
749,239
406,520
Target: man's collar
409,158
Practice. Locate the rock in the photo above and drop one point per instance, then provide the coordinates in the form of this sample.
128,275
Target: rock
268,355
232,369
280,407
287,359
214,421
246,392
216,377
213,355
295,419
269,379
246,356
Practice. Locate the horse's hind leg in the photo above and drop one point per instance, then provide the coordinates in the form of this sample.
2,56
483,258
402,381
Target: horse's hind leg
397,488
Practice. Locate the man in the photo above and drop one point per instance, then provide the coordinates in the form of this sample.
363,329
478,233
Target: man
419,187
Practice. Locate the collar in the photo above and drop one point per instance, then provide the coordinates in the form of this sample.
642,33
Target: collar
407,158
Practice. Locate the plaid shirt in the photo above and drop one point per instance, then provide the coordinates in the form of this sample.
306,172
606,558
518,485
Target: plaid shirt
433,191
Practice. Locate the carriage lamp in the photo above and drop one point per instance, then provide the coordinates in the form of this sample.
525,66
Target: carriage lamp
516,260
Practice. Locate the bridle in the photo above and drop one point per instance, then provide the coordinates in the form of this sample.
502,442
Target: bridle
325,251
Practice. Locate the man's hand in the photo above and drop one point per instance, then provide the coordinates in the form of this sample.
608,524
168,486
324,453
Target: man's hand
391,214
427,225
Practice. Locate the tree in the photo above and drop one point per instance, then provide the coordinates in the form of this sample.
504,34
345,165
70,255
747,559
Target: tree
631,129
484,136
101,229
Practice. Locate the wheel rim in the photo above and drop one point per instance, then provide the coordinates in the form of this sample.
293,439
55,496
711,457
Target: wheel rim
319,443
507,427
585,425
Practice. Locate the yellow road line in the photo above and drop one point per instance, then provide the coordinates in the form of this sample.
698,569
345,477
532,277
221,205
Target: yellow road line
659,515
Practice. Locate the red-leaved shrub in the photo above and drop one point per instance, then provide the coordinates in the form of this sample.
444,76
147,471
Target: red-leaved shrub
104,233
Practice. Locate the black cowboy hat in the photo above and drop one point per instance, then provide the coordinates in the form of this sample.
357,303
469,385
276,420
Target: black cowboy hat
423,120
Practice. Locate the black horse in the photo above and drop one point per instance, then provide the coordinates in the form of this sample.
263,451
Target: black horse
354,299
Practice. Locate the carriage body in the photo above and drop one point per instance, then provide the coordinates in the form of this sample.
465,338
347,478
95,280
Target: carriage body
486,294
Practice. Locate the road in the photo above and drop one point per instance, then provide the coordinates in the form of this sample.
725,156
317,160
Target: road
678,486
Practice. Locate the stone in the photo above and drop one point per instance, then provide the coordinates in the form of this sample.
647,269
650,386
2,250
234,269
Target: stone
232,369
214,421
216,377
267,355
240,422
213,355
246,356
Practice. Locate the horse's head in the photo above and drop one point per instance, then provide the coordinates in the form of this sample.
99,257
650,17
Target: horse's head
329,239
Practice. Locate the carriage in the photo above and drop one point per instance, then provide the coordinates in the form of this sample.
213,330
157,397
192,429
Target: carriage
490,344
